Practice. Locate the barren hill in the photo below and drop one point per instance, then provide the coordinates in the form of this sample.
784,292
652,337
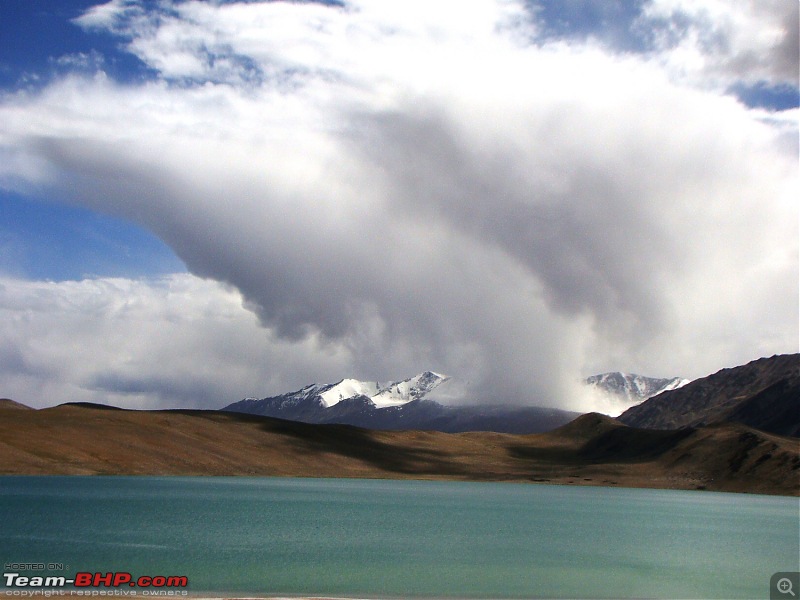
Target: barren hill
592,450
8,404
764,394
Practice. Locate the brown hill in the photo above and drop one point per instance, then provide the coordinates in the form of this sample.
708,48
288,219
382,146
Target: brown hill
592,450
586,427
7,403
763,394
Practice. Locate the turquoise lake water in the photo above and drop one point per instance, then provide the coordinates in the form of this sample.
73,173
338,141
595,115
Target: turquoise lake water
370,538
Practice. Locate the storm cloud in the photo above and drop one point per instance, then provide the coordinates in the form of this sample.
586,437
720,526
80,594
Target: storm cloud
394,187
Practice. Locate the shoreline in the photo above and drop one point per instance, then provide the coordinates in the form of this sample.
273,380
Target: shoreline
648,485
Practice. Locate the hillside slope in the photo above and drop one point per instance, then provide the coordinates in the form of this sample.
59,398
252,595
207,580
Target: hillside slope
763,394
592,450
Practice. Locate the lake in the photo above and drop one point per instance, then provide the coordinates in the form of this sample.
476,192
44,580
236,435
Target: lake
376,538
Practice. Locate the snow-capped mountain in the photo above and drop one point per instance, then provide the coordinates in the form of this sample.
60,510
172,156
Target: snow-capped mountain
620,391
399,405
410,404
634,387
382,395
327,395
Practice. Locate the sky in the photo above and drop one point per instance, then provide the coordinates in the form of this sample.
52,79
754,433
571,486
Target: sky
207,200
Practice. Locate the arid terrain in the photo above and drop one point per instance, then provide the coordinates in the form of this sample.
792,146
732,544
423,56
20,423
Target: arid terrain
74,439
764,394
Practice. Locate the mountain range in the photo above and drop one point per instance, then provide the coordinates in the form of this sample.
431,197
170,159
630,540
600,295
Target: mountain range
764,394
382,395
729,431
593,449
399,405
405,404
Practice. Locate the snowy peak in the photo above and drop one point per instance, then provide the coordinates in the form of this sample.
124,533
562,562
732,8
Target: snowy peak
393,393
632,387
613,393
348,388
415,388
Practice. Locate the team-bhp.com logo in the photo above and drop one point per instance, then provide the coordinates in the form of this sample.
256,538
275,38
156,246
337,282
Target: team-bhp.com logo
96,580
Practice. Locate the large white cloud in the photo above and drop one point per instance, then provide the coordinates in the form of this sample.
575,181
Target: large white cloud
177,341
426,188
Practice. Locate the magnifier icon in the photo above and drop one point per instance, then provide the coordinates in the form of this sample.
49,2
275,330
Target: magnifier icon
784,586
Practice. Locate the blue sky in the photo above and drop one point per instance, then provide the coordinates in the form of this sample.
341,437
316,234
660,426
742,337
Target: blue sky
50,240
43,237
201,201
37,35
35,32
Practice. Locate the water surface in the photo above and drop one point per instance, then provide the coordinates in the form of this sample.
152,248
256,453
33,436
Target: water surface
348,537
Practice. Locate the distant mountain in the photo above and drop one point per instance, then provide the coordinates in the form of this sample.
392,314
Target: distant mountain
616,392
764,394
382,395
306,402
398,405
632,387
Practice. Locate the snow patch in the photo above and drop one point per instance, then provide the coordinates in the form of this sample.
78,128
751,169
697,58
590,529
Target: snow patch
393,393
614,393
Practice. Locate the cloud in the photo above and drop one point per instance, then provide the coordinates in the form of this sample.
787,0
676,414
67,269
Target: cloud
177,341
414,187
714,44
727,42
107,16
